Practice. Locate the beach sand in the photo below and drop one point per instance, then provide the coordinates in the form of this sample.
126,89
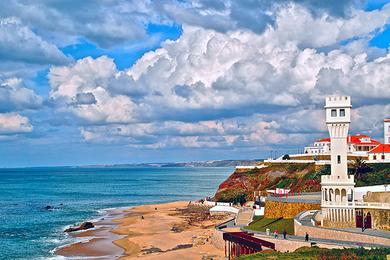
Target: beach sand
163,231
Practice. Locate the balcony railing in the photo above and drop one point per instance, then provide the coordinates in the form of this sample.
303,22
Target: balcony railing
375,205
350,178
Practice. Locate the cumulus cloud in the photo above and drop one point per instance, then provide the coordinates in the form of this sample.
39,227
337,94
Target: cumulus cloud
83,90
107,23
191,92
12,123
241,132
14,96
258,15
18,43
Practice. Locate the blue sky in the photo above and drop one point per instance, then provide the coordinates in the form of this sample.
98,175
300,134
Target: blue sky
167,81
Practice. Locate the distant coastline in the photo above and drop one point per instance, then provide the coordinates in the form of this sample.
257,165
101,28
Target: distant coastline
210,163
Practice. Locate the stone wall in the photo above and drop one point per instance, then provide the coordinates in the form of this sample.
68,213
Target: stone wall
380,218
382,197
288,245
318,232
276,209
334,224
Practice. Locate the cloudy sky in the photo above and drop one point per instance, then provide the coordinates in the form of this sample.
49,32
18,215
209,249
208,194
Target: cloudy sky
120,81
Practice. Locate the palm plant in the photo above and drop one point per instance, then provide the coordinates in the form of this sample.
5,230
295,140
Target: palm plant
359,167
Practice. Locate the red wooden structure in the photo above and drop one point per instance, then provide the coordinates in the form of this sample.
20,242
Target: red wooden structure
243,243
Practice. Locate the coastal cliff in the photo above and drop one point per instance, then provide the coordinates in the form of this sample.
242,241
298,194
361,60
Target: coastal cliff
242,183
306,177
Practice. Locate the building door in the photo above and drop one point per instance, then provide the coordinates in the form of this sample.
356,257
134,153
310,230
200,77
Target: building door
359,218
367,221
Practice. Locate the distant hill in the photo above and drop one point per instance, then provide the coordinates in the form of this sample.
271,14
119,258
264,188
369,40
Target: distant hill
214,163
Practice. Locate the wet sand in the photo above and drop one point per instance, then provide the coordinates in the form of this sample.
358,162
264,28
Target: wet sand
98,242
162,231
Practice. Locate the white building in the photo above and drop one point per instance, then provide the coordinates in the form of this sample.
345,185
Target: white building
357,145
387,131
380,153
337,200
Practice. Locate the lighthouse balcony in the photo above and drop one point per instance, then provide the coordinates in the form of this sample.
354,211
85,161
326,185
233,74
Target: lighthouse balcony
338,180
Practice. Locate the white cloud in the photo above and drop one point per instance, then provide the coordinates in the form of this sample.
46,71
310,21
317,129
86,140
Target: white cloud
202,83
15,97
107,23
18,43
93,78
297,24
12,123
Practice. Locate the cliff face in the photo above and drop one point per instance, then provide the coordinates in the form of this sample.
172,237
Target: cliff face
242,183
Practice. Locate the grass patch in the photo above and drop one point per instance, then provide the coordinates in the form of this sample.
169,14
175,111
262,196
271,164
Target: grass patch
314,253
273,223
256,218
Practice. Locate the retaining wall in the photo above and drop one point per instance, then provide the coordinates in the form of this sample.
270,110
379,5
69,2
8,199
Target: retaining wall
276,209
318,232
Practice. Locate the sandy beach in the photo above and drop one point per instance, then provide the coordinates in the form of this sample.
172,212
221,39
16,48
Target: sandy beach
163,231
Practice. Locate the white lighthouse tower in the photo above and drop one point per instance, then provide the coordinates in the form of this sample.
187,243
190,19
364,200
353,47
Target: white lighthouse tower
337,201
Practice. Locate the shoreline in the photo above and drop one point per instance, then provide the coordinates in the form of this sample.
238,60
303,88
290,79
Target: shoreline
156,231
97,242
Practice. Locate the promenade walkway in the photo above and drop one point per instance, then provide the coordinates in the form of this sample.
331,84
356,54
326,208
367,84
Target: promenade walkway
371,232
317,241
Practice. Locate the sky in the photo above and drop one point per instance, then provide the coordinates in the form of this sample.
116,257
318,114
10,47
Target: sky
115,81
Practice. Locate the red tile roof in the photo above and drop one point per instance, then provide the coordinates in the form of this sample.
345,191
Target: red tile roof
382,148
387,119
355,139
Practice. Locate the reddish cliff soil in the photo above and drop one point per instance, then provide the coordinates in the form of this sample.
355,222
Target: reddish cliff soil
242,183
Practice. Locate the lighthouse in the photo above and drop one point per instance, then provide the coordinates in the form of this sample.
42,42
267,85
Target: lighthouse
337,200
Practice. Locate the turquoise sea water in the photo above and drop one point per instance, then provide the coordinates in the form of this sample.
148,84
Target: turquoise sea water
29,231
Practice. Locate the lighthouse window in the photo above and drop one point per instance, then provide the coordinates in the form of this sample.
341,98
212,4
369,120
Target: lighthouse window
342,112
338,159
333,113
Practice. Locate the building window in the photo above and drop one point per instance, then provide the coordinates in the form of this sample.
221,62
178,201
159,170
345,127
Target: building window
338,159
342,112
383,156
374,157
333,112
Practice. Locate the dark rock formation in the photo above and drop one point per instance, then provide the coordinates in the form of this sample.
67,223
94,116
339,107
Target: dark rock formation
83,226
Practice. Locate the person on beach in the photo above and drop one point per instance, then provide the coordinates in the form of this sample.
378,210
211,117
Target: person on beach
284,234
307,237
276,233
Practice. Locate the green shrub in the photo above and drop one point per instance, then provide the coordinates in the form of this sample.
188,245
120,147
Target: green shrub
235,196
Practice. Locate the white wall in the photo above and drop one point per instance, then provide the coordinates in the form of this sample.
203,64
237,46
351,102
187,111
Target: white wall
387,132
379,157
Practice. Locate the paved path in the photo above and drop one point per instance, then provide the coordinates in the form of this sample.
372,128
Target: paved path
320,240
371,232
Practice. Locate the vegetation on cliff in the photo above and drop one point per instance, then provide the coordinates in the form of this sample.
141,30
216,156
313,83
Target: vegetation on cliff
303,177
370,174
242,183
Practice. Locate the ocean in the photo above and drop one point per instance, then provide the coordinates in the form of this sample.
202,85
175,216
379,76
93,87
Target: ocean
30,231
